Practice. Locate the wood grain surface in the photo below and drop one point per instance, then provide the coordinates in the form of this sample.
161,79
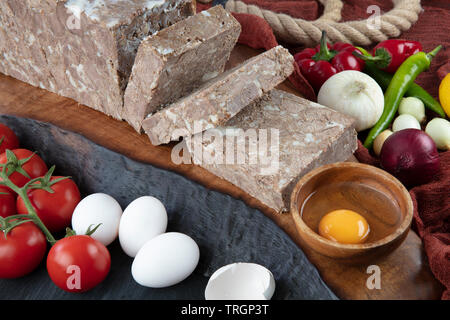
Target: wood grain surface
404,274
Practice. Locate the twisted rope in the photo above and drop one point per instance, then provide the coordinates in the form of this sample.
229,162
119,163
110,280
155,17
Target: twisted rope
298,31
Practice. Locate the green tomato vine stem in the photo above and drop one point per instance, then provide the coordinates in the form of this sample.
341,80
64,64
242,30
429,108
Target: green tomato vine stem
22,192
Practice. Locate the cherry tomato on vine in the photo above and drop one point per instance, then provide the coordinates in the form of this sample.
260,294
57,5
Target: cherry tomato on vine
54,209
8,139
7,202
21,251
78,263
35,167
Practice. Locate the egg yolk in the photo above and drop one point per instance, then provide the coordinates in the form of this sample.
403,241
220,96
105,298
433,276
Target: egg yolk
344,226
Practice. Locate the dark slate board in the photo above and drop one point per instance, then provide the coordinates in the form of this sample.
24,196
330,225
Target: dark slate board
226,229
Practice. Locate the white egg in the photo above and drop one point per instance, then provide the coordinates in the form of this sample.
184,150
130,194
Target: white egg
143,219
165,260
241,281
98,208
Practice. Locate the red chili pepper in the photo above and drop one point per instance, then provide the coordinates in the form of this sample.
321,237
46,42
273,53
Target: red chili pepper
388,55
320,63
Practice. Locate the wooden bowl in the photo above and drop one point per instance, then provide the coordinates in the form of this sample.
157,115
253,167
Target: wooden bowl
376,183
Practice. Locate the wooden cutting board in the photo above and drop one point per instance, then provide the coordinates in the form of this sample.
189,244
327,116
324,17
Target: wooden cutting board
405,273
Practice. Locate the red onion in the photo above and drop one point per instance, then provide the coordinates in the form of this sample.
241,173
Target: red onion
411,156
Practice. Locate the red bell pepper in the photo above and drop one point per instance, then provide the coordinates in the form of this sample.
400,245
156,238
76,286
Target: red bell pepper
388,55
320,63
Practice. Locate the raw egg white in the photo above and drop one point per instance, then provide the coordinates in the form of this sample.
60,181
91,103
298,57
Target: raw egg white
165,260
344,226
98,208
143,219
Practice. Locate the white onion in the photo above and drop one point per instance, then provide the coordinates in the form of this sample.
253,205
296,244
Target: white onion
355,94
405,121
439,130
414,107
379,141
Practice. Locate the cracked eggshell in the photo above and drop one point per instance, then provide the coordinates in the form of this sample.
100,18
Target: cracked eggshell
165,260
143,219
241,281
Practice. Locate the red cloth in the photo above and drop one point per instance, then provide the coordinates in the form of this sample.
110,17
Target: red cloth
431,201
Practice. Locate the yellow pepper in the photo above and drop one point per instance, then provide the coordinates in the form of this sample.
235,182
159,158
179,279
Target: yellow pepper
444,94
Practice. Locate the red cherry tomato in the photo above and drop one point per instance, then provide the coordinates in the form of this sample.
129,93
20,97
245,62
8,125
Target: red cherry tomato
7,202
54,209
78,263
35,167
10,140
21,251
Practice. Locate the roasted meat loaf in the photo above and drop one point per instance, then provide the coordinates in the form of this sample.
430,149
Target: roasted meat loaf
220,98
173,62
272,143
81,49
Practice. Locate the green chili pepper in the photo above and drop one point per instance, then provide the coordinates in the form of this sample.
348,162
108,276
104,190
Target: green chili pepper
384,79
401,81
